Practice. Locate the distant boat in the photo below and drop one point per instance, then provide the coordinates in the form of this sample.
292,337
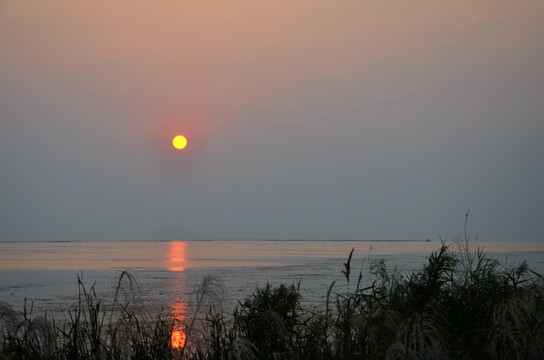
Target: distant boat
428,240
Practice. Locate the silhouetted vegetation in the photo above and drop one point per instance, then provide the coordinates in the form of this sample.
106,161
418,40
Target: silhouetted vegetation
460,305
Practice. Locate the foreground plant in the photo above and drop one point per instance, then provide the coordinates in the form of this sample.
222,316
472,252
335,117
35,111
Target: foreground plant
460,305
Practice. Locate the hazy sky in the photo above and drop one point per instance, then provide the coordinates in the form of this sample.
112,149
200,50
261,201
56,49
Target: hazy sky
305,119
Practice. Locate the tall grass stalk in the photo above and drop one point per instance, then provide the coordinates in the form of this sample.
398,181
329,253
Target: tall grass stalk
459,305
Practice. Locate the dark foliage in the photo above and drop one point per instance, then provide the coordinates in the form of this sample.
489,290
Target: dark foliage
460,305
268,319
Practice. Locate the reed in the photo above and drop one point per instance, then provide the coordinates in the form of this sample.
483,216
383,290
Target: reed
460,305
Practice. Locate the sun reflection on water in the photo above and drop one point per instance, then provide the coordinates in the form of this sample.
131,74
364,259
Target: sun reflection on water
178,331
177,256
176,263
178,339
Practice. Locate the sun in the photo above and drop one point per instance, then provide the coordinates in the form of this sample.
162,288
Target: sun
179,142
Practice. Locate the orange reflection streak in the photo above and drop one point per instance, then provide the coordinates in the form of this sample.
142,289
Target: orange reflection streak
176,262
178,339
178,331
176,256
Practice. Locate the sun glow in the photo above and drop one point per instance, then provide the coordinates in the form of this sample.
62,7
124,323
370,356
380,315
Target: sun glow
179,142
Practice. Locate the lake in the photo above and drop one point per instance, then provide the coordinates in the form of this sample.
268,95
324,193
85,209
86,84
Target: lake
168,272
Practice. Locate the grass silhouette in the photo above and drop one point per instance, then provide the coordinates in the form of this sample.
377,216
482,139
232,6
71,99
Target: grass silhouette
460,305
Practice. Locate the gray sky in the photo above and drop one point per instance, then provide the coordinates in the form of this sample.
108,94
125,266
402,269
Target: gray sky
305,120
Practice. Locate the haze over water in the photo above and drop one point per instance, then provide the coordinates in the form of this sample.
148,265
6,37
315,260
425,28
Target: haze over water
358,119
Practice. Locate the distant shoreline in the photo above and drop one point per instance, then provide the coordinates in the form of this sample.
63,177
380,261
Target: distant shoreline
208,240
255,240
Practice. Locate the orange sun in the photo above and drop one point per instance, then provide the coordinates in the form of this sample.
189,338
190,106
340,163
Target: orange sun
179,142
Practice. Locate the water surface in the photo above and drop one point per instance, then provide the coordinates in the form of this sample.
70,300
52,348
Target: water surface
46,273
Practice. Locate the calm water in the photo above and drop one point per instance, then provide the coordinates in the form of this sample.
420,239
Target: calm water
46,273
